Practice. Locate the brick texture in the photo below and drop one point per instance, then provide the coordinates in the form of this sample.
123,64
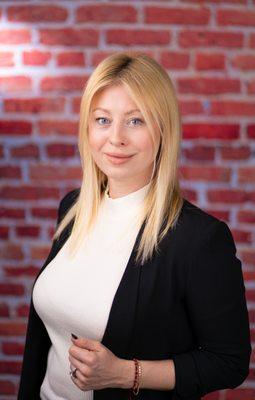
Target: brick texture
47,54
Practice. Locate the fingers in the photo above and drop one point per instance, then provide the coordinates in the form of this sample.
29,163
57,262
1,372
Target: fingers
82,355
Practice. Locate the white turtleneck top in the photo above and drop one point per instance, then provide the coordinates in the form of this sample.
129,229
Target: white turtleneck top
75,295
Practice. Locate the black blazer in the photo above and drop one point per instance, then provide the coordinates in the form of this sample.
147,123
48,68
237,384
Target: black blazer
187,304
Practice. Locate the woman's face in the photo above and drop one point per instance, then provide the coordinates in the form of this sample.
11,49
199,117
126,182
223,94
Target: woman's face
117,126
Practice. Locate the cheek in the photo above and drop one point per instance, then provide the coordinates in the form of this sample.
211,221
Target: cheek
95,140
145,144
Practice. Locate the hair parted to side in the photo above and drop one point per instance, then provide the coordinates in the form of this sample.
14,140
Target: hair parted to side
152,90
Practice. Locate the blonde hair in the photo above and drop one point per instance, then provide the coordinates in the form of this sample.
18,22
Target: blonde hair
152,90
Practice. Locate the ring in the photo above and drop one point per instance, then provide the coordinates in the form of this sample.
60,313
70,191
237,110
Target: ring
73,373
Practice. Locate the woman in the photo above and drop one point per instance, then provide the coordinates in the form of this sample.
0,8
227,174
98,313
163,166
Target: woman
147,282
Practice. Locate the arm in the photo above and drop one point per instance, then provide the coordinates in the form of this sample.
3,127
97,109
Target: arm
215,299
157,375
216,303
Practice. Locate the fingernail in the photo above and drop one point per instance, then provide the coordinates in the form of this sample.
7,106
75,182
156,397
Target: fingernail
74,336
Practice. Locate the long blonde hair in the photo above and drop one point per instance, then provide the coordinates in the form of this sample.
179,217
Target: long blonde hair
153,91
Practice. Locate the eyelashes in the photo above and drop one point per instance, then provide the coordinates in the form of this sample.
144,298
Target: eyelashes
141,122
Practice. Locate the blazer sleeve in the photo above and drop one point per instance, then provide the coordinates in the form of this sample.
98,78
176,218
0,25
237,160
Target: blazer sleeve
216,304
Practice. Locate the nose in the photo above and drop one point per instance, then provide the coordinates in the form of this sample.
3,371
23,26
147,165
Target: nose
117,134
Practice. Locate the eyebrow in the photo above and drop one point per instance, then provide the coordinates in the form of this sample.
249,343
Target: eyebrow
108,112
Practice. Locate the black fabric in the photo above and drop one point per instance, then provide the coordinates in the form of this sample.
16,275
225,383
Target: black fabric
187,303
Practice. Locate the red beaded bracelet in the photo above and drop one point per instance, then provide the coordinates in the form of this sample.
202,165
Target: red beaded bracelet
138,373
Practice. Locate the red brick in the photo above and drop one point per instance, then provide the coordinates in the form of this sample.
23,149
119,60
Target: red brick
69,37
70,59
229,107
245,62
240,394
44,212
252,40
25,151
28,192
246,175
34,104
22,310
12,328
229,196
15,36
12,348
190,38
106,13
210,61
189,194
249,275
246,216
235,17
53,173
15,127
200,153
21,271
65,83
98,56
208,174
11,251
251,131
4,310
15,213
62,127
6,59
10,367
174,60
36,13
10,172
176,15
220,214
15,83
11,289
7,387
129,37
250,87
27,231
248,256
76,102
36,57
4,232
235,153
241,236
62,150
211,131
40,253
202,85
188,107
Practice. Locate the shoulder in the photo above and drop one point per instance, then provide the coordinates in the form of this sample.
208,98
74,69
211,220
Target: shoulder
197,227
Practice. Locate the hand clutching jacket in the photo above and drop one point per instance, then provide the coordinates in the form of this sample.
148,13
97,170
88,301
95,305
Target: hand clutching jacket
186,304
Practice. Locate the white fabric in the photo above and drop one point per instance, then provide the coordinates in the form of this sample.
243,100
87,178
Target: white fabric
76,295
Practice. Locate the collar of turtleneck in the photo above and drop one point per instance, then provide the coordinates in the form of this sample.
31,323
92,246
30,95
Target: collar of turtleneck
125,204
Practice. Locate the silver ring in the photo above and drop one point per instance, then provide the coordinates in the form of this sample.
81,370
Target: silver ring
73,373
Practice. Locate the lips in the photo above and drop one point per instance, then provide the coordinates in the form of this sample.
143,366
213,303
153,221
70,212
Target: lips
119,155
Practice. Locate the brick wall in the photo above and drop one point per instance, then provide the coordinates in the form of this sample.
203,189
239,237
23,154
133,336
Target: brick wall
47,51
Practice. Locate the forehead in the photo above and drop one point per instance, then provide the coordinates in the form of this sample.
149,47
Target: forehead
114,99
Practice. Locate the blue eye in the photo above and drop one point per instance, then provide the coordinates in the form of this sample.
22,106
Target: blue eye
137,119
133,119
97,119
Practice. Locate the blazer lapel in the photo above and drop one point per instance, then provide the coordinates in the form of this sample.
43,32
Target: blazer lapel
121,320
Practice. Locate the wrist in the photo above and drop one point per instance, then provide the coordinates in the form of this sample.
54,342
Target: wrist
126,374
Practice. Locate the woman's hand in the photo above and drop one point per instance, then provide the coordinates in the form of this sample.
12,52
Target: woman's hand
97,367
